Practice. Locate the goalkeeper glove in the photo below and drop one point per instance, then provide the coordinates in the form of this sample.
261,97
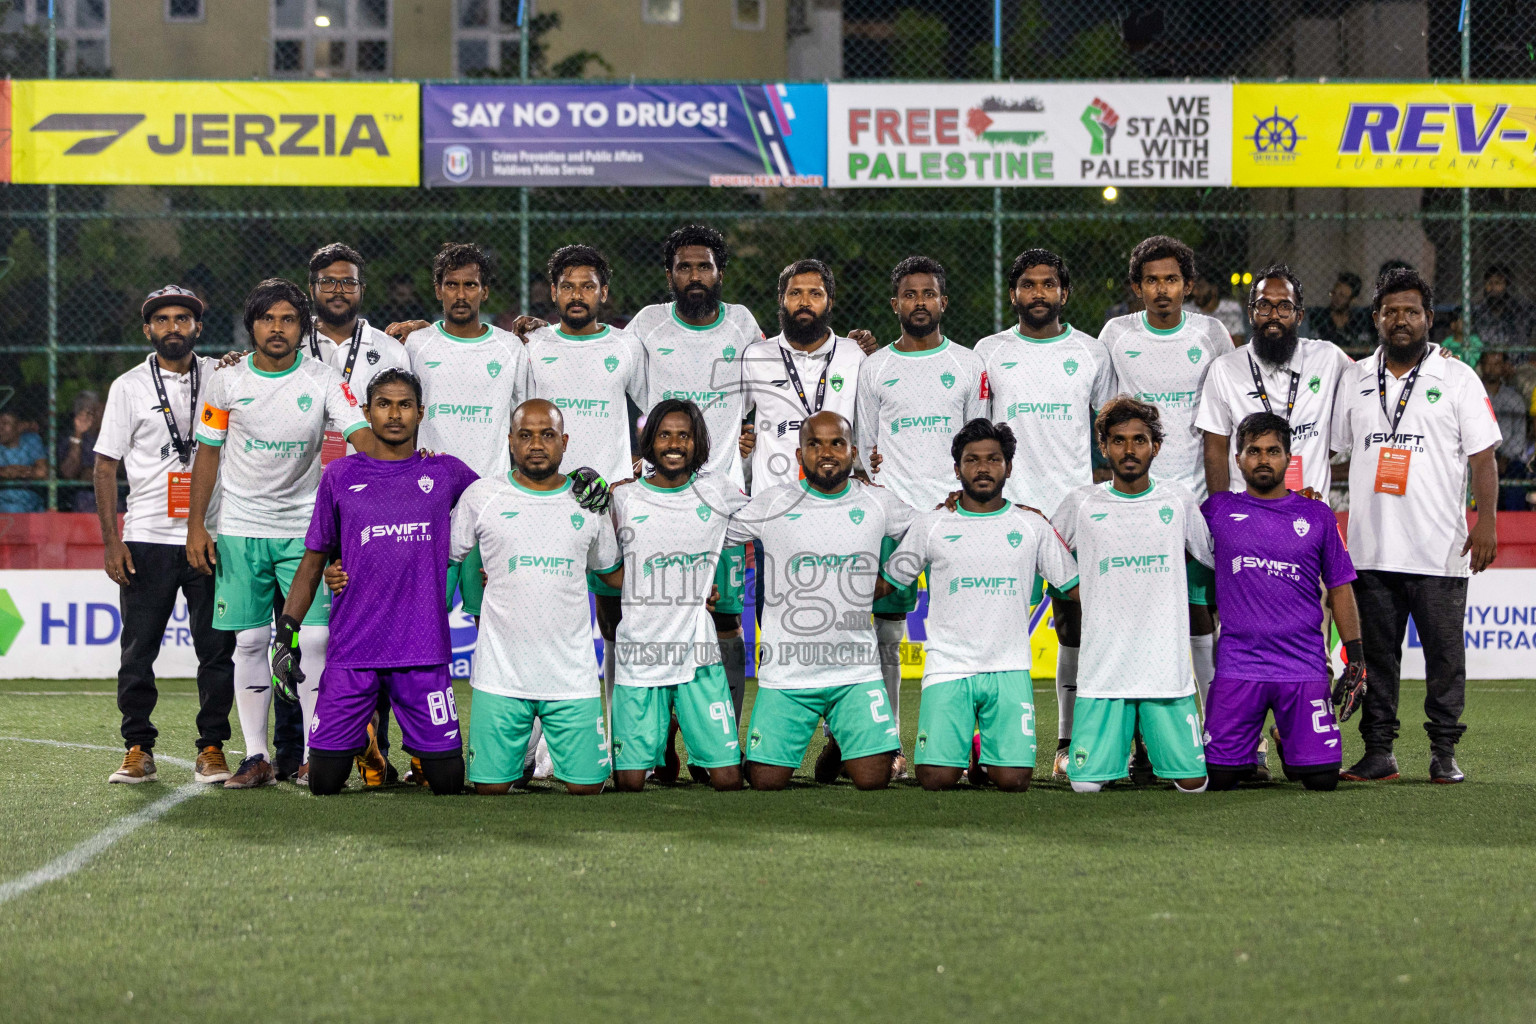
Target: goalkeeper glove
589,489
286,675
1349,691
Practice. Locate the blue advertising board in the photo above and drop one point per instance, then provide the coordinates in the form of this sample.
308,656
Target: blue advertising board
755,136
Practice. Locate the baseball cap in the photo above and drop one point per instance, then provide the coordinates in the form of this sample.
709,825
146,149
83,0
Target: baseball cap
172,295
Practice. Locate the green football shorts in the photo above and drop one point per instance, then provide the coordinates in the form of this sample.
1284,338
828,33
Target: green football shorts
859,717
731,580
642,716
500,727
1002,703
251,572
900,601
600,588
1103,727
1202,582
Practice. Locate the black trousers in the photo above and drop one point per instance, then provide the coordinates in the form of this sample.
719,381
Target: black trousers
1438,605
146,604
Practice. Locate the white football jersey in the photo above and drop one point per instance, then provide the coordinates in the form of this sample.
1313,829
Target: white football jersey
1047,391
820,556
469,388
770,389
911,405
1167,369
670,539
376,352
270,426
1134,589
587,376
535,637
981,567
702,365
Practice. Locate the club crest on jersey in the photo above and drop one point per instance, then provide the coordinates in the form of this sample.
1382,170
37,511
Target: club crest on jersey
1433,394
425,483
1015,538
1070,366
493,368
857,515
578,520
1315,383
305,402
947,379
836,382
1195,354
1301,526
728,353
1165,514
611,363
373,356
704,512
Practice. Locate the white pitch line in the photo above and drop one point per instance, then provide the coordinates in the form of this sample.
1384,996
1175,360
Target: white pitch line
67,864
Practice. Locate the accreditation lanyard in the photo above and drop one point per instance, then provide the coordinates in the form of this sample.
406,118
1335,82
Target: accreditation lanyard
182,445
357,341
1396,416
821,385
1258,384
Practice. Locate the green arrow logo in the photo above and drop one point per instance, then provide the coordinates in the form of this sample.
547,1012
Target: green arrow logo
10,622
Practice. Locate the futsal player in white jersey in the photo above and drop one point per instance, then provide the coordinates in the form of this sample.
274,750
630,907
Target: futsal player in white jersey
472,376
1044,378
981,559
914,396
1133,534
693,348
259,436
1162,356
821,542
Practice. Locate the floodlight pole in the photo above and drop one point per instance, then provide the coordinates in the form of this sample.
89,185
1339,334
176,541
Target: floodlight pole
53,297
997,192
522,193
1466,192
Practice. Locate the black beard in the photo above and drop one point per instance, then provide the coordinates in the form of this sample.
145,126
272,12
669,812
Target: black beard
1277,351
1034,322
800,332
468,318
918,330
977,496
1408,352
832,481
577,323
172,351
690,308
539,474
333,320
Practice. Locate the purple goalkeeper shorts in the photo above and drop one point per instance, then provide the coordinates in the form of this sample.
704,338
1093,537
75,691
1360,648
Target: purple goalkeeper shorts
1234,717
422,699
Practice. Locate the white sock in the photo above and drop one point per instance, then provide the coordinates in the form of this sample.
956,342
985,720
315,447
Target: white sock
1066,689
889,633
1086,787
253,688
1192,792
1203,650
312,644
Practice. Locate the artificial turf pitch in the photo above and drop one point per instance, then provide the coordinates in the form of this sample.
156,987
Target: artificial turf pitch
1387,902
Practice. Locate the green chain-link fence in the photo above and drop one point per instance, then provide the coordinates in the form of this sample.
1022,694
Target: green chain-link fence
69,321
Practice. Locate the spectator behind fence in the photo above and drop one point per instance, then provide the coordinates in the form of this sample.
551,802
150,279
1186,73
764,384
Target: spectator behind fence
22,457
402,304
1341,321
1509,408
77,455
1503,320
1206,298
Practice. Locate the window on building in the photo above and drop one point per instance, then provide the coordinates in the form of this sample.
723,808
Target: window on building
485,36
749,14
330,38
183,10
83,28
661,12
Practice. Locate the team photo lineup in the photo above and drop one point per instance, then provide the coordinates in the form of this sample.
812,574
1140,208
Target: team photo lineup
322,500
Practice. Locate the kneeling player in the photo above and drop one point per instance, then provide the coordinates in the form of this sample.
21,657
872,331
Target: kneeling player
1133,531
388,516
533,657
981,560
1271,655
671,526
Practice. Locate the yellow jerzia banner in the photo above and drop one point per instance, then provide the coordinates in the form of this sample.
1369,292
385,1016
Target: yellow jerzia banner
215,133
1382,135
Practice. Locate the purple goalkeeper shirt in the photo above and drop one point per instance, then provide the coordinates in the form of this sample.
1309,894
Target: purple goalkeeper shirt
389,521
1273,560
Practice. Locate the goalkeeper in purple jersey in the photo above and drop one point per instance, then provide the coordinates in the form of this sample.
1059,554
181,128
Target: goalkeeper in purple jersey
388,517
1277,553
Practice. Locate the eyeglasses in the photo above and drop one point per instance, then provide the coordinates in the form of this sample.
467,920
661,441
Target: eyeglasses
1265,308
338,284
